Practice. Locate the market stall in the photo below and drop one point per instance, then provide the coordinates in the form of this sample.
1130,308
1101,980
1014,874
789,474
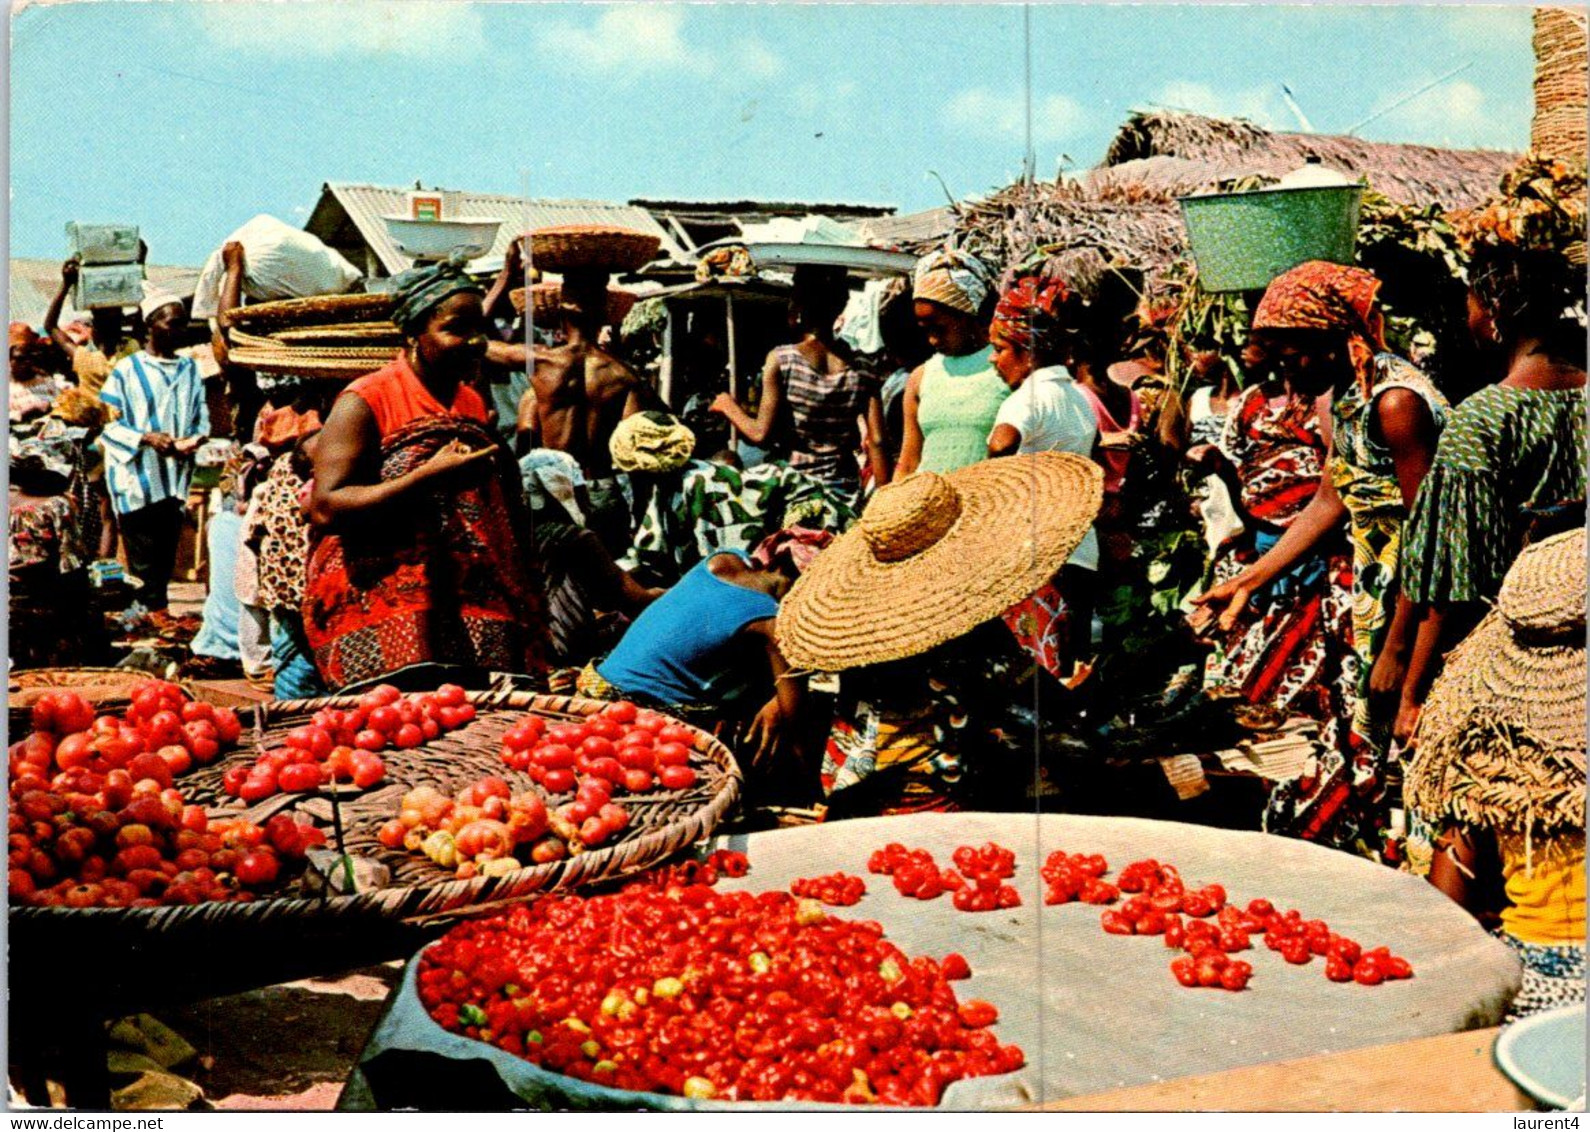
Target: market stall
1110,1014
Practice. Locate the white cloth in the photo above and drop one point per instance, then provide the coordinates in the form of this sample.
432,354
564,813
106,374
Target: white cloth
279,262
1051,414
1215,507
862,323
150,394
154,299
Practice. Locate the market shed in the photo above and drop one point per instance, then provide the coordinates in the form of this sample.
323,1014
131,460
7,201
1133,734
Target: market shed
348,218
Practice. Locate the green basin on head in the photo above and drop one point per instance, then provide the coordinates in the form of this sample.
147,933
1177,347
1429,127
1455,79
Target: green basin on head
1241,241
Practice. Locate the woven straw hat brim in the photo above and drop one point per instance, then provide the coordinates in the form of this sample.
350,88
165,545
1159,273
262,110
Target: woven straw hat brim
1540,689
1021,517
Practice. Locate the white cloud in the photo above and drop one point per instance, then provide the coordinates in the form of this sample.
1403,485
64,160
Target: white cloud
758,60
1055,117
404,28
812,97
1453,114
630,38
1259,105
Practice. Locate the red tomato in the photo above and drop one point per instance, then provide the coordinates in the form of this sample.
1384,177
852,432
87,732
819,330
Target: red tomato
74,750
408,737
259,785
554,756
430,729
558,781
673,754
674,733
227,725
258,867
595,747
637,781
677,777
339,765
368,769
449,695
300,777
369,740
232,780
392,834
605,727
150,766
1369,972
521,736
606,768
634,757
622,711
385,719
177,759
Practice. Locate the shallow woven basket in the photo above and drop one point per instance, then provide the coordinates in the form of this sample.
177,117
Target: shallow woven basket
548,297
292,936
107,689
600,247
1559,127
285,313
342,334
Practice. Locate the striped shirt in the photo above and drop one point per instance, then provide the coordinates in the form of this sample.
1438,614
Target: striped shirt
151,394
823,435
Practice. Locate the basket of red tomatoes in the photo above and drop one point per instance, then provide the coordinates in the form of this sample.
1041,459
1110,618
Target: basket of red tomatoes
177,830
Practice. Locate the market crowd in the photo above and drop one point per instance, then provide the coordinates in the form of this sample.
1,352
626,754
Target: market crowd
1010,503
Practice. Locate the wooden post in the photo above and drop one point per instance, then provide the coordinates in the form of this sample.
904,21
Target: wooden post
665,369
734,363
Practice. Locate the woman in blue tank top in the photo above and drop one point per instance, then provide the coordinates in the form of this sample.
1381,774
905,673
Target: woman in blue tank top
695,644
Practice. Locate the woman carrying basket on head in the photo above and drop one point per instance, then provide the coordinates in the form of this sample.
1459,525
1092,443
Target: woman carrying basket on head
418,556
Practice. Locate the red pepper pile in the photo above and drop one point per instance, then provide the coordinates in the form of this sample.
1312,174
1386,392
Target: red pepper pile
976,885
840,889
713,995
1160,901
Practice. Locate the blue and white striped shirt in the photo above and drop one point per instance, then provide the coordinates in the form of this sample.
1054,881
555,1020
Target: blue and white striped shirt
151,394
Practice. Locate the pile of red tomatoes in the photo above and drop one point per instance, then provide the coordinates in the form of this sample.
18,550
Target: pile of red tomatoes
632,750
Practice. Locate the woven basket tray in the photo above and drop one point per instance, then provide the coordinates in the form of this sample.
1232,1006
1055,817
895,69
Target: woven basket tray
309,312
213,948
306,363
107,689
548,296
598,247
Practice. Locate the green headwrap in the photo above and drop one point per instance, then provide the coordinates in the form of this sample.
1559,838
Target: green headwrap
420,290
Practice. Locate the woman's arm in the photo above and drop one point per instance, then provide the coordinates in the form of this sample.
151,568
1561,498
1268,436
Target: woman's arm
755,429
911,444
877,457
769,728
512,269
343,458
1452,870
1003,441
52,317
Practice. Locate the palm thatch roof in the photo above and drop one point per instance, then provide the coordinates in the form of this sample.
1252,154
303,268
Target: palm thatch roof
1210,150
1125,210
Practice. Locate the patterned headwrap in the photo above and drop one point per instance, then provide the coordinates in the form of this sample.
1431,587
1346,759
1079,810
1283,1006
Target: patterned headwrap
796,545
420,290
651,442
1328,296
1031,315
954,279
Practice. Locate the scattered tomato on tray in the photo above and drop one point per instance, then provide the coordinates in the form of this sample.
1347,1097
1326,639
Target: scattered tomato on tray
838,889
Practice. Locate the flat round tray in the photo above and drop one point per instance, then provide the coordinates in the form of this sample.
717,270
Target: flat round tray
1092,1011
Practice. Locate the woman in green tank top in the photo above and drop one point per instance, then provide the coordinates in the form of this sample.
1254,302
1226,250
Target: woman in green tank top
951,400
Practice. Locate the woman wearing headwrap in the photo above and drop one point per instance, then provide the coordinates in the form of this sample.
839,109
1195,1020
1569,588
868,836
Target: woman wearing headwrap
1321,327
417,557
951,399
1034,337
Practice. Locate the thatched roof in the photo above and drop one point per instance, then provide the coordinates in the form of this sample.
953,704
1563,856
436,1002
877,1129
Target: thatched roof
1188,152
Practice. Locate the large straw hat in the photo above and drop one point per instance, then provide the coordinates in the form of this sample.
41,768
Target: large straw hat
1501,739
934,556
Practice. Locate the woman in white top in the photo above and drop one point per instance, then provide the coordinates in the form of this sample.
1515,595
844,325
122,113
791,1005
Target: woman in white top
1032,337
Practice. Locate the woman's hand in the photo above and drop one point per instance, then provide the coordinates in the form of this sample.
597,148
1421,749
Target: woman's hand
1386,679
1229,599
723,404
766,731
1407,722
69,271
232,255
451,457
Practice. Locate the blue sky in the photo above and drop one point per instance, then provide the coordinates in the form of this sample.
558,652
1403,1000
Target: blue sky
196,116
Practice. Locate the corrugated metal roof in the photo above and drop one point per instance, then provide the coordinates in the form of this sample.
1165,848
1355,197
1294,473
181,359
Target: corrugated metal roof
33,282
367,204
908,230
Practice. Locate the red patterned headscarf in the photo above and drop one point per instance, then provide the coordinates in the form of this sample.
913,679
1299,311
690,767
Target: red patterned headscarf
1031,314
1328,296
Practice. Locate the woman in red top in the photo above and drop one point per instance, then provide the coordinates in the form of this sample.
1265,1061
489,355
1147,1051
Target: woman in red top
416,556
